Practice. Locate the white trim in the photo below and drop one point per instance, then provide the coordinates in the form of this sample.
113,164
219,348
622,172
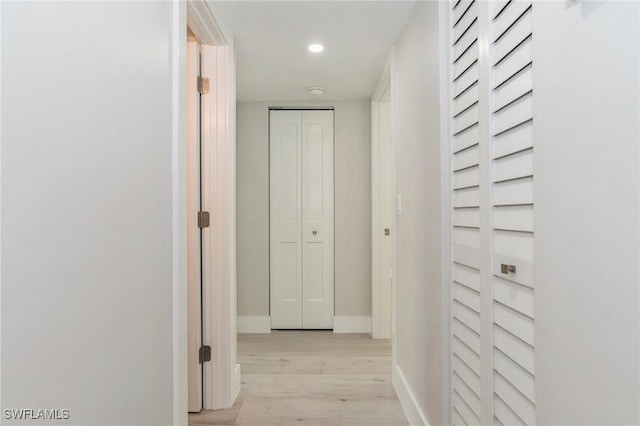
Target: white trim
394,280
384,82
352,324
410,405
179,206
174,325
203,24
236,383
375,220
254,324
231,184
445,213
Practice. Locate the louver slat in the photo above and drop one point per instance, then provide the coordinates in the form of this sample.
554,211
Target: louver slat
463,24
519,377
466,198
460,10
518,351
513,398
515,140
467,375
471,399
462,407
505,415
469,218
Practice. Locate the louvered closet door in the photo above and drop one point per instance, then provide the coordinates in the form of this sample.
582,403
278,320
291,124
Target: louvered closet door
492,324
512,210
466,146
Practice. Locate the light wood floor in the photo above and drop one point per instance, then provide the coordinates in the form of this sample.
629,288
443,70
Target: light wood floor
311,378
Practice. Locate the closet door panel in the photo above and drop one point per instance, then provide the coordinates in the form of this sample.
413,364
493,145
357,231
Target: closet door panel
466,147
285,219
317,218
512,215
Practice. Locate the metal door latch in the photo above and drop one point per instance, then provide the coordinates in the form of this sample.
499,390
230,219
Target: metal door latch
506,269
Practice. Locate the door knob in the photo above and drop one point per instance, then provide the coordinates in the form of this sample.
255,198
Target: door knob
387,231
506,269
315,232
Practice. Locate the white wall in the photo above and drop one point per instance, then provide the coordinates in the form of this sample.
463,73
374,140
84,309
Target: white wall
87,210
352,206
586,124
252,234
418,315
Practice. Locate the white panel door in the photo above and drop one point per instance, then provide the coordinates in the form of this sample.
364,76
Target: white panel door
317,220
285,154
301,219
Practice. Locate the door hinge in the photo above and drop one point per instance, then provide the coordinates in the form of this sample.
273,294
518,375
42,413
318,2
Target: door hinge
203,219
203,85
204,355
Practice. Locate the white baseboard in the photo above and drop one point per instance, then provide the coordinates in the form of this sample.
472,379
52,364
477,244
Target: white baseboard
254,324
236,383
352,324
415,416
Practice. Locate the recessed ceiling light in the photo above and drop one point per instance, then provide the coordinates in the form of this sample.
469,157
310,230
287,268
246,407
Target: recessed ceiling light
316,48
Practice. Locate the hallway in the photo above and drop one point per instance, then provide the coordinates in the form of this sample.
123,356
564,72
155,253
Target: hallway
311,378
480,204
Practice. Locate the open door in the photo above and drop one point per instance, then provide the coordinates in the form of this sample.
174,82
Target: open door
195,267
207,92
384,212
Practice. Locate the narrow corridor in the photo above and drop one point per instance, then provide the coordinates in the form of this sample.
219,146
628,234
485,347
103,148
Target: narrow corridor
311,378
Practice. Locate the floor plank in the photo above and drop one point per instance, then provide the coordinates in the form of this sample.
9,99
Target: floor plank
311,378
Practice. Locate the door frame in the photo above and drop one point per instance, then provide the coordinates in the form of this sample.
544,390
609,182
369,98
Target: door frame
383,320
222,374
446,208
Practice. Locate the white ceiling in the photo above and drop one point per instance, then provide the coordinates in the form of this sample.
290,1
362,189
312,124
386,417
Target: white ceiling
271,39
